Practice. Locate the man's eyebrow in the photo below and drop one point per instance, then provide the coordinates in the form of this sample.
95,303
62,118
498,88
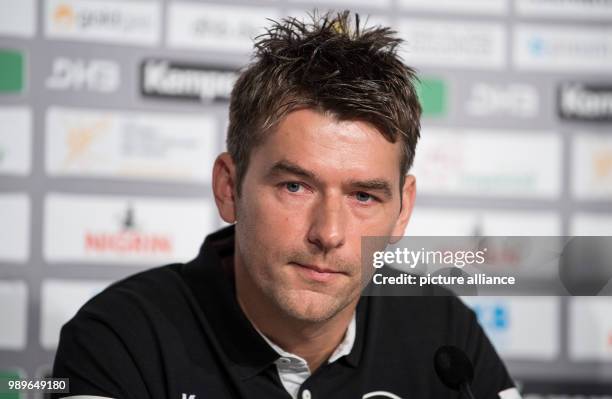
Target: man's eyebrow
290,167
373,185
285,166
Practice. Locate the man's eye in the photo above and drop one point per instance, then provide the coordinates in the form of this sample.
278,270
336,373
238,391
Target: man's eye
293,187
363,197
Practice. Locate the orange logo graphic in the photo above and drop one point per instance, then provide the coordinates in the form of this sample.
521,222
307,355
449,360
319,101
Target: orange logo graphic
63,15
603,164
80,139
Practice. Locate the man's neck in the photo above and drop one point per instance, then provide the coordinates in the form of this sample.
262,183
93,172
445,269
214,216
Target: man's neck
313,341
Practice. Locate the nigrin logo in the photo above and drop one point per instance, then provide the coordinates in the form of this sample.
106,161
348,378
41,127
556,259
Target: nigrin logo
129,239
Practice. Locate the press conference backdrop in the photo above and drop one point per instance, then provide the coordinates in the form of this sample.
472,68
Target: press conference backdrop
112,111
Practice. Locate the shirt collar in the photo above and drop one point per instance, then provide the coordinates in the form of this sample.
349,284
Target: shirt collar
347,343
343,348
210,276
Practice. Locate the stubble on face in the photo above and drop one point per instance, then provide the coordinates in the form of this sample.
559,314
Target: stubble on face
296,298
321,223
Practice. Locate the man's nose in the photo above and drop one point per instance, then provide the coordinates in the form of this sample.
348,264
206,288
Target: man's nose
328,224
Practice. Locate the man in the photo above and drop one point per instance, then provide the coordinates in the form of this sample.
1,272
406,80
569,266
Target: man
323,128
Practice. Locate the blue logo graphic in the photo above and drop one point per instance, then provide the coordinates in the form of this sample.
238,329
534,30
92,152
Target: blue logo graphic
494,318
536,46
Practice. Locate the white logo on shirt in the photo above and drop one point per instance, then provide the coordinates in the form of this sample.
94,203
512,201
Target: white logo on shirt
187,396
380,394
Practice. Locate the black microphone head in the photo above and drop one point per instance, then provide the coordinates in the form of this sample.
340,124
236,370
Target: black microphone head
453,366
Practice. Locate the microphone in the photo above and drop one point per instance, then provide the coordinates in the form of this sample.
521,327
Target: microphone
454,369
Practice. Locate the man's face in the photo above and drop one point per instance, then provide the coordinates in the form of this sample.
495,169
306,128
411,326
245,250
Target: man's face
311,191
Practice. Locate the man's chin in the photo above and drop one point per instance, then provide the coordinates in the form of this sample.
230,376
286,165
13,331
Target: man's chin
310,306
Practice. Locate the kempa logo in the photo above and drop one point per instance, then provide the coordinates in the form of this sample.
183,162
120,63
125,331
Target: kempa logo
166,79
587,102
129,239
77,74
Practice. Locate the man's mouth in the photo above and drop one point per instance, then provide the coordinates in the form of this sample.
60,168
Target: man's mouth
317,272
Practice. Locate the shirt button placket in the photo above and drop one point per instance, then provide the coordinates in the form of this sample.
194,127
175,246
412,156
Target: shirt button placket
306,394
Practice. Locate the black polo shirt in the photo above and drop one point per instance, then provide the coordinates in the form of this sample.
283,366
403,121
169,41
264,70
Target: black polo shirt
178,332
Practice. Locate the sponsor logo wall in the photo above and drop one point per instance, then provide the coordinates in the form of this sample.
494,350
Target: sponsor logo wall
437,221
492,100
444,43
592,166
106,21
137,145
60,300
213,27
520,327
78,74
469,163
112,112
15,140
14,311
15,227
598,9
585,102
21,20
493,7
562,48
166,79
11,71
123,230
591,328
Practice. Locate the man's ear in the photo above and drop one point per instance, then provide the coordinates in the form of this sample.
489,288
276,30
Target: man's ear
223,184
408,197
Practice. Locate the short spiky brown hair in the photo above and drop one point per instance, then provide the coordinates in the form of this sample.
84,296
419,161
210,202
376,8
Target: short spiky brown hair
332,64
